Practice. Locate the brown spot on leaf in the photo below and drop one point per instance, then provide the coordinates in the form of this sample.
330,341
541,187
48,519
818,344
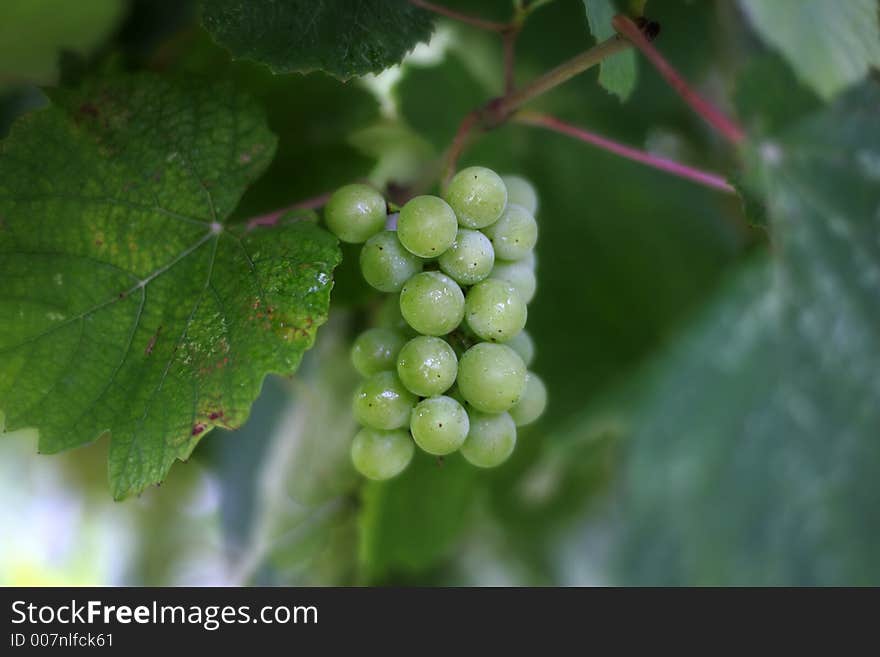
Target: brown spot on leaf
198,428
152,343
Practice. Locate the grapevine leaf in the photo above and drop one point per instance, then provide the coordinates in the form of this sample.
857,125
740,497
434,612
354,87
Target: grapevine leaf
830,45
755,453
346,39
617,73
128,307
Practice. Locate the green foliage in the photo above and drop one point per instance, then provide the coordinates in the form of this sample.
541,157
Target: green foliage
314,154
408,524
343,38
130,309
618,73
137,305
31,55
755,449
830,45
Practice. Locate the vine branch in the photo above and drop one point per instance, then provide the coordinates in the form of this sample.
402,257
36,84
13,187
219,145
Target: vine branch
725,126
271,218
704,178
489,26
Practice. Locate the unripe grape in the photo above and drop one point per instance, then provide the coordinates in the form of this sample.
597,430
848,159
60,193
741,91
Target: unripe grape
514,235
491,377
383,402
355,213
385,264
494,310
531,403
380,455
432,303
375,350
491,439
427,226
388,315
523,345
477,195
427,366
520,274
470,258
521,192
439,425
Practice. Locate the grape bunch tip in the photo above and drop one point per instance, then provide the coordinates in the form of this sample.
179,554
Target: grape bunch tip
446,368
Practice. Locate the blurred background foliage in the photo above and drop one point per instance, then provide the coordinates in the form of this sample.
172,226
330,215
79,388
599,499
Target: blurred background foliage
611,485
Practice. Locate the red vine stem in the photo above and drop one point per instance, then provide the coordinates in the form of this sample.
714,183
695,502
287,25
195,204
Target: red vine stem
726,126
704,178
271,218
480,23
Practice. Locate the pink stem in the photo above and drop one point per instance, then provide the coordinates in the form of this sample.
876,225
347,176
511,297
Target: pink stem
271,218
669,166
491,26
711,114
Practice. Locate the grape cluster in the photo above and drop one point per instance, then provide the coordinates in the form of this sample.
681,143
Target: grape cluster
447,367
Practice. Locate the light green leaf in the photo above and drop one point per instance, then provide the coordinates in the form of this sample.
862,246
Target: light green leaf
755,453
344,38
617,73
128,307
34,32
830,45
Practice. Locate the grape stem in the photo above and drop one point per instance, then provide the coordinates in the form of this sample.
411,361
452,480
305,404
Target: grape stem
498,110
489,26
271,218
704,178
725,126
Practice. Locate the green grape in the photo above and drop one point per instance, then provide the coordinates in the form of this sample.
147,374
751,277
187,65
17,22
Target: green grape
427,226
375,350
388,315
470,258
478,196
432,303
490,440
427,366
380,455
383,402
439,425
514,235
355,213
521,192
531,403
520,274
491,377
523,345
494,310
385,264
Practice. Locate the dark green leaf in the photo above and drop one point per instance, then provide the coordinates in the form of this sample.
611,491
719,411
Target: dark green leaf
128,307
344,38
